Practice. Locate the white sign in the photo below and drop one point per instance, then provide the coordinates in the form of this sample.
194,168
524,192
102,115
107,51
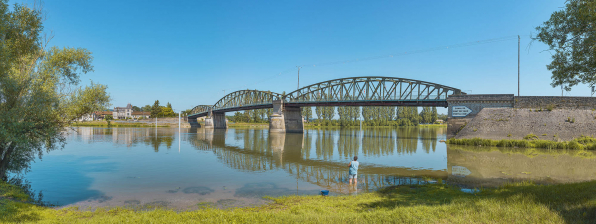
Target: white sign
460,171
460,111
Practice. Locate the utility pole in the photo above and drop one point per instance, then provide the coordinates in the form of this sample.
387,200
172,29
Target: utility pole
517,65
298,76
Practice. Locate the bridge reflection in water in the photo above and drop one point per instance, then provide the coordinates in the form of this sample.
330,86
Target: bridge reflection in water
256,150
310,157
388,156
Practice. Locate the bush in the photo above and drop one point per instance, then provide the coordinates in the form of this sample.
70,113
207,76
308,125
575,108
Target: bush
530,137
550,107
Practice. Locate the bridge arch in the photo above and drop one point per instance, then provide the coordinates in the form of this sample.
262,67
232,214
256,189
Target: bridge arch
371,88
246,99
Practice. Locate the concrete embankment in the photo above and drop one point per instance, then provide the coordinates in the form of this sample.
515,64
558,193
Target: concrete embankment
515,123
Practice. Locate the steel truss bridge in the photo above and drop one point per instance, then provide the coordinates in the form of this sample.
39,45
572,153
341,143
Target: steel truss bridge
354,91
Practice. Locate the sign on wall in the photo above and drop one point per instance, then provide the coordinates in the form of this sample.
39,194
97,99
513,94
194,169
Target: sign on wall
460,171
460,111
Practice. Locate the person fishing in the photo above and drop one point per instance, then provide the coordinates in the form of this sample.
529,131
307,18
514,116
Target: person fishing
353,170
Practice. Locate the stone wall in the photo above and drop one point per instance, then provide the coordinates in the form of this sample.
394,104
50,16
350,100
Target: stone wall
560,102
479,101
475,103
513,123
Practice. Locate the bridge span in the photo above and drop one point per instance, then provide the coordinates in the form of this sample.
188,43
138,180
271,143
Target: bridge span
354,91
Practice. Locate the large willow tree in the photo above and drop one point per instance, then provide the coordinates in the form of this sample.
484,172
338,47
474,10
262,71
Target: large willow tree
40,90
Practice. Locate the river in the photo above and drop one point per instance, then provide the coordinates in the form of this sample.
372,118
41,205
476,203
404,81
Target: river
162,167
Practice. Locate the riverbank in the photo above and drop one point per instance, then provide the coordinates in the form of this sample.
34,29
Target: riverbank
530,141
260,125
431,203
116,124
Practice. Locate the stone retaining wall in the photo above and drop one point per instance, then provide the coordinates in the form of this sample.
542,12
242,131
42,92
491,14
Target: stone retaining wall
560,102
513,123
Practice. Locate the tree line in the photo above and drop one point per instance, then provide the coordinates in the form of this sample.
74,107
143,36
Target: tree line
373,116
350,116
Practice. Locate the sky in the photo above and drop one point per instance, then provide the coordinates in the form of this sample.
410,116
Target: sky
190,53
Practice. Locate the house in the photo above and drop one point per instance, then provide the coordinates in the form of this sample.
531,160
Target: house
139,114
122,112
99,115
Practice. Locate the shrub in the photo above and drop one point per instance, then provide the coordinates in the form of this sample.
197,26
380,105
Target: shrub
530,137
550,107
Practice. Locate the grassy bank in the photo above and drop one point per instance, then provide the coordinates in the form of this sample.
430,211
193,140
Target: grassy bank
239,124
434,203
114,124
530,141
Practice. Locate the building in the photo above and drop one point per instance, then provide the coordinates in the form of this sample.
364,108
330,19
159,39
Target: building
122,112
99,115
140,114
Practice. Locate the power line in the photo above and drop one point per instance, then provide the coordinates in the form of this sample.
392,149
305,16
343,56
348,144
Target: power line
404,53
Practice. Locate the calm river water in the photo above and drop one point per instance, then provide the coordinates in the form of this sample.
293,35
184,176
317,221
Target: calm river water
236,167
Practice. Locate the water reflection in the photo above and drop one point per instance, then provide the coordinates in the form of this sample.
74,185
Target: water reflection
259,151
223,165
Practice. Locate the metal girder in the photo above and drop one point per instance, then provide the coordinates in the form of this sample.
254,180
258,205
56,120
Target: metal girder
372,88
200,109
354,91
246,98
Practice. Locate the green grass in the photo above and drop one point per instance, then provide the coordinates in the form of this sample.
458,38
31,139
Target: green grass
530,141
241,124
432,125
113,124
433,203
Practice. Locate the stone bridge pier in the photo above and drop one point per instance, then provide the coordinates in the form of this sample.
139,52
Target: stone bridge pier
194,123
216,120
286,119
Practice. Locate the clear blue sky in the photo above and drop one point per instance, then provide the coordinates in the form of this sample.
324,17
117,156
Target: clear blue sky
188,52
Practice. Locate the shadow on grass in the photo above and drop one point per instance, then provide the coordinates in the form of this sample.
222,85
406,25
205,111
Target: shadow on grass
575,202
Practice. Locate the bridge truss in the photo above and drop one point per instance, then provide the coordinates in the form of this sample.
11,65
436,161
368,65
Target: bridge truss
354,91
362,91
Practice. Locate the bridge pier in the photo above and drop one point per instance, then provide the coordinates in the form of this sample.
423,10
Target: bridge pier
194,123
285,119
217,121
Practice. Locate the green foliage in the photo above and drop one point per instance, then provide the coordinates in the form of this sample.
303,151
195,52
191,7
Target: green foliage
166,112
530,137
569,33
155,109
135,108
146,108
307,113
530,141
38,93
550,107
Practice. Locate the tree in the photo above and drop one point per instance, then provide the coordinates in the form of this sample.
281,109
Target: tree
108,119
135,108
571,34
155,109
38,94
166,112
186,112
169,105
146,108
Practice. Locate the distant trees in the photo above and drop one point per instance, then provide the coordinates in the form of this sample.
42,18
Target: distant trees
251,116
428,115
161,111
135,108
307,113
146,108
155,109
